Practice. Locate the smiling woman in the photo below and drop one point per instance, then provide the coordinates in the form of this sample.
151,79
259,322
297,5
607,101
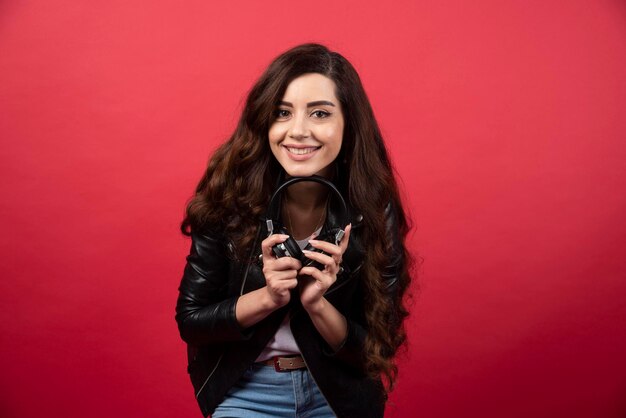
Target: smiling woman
307,133
329,333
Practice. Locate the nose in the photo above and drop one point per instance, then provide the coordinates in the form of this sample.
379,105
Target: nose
299,127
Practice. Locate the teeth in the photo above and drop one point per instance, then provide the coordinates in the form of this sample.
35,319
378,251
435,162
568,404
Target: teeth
301,151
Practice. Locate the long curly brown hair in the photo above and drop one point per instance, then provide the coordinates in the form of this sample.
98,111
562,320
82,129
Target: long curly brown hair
234,191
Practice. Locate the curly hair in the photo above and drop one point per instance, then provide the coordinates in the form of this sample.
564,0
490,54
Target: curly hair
235,188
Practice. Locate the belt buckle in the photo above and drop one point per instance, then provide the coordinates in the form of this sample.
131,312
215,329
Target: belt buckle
277,365
280,368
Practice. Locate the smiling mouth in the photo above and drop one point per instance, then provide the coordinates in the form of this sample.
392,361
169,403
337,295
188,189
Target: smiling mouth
302,151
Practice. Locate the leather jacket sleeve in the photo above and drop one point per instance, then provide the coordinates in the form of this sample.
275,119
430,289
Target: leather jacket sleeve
352,349
204,313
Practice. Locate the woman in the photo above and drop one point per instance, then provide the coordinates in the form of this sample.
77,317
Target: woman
267,335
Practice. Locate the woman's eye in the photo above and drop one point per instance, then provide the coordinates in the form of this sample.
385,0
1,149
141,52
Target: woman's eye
321,114
281,113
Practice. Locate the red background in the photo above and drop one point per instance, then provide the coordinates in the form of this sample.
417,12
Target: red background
505,120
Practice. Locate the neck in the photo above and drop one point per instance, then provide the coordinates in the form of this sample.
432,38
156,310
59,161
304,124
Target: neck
307,195
304,207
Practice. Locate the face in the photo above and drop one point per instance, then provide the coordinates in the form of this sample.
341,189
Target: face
307,132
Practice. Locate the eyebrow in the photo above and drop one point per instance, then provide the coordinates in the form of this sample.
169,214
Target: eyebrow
310,104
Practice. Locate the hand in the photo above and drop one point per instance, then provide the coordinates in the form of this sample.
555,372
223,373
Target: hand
314,282
280,273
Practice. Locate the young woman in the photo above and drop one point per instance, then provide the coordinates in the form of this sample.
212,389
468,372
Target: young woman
272,336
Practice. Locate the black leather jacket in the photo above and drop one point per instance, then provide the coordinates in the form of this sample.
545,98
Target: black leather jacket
220,351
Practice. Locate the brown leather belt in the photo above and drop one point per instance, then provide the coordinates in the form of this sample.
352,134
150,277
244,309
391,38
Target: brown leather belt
285,364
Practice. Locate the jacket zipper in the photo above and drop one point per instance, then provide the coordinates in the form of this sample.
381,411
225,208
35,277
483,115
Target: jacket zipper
248,262
211,374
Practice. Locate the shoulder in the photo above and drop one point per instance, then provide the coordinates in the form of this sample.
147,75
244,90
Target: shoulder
208,241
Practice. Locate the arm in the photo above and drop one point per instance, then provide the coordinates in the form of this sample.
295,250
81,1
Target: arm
204,313
329,322
351,351
280,277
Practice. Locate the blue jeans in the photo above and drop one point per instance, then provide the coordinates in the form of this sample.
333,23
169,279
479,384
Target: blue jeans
262,392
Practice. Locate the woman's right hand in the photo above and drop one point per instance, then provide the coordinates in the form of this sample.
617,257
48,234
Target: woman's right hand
280,273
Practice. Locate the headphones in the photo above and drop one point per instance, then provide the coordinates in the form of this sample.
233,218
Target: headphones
290,248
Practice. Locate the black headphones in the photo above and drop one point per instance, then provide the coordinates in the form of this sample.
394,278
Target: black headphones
290,248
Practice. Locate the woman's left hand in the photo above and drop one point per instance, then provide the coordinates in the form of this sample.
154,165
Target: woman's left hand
313,283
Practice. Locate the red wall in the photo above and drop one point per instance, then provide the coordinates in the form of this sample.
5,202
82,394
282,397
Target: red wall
505,120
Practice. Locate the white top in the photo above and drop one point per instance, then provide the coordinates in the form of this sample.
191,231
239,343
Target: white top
283,343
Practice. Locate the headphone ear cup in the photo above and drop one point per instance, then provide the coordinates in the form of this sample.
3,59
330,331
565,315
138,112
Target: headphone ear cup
280,249
307,262
288,248
291,245
328,236
294,249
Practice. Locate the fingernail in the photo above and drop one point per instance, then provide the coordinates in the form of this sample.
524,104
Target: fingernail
314,241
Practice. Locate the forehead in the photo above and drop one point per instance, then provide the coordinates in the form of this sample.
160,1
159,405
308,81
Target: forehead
312,86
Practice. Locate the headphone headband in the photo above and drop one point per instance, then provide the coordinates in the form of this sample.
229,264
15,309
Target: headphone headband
273,207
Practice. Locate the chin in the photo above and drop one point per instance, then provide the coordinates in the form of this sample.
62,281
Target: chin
299,173
303,172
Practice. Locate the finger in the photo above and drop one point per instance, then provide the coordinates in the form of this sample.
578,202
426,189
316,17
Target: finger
291,284
346,238
278,276
327,247
286,263
322,258
283,286
269,242
324,280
